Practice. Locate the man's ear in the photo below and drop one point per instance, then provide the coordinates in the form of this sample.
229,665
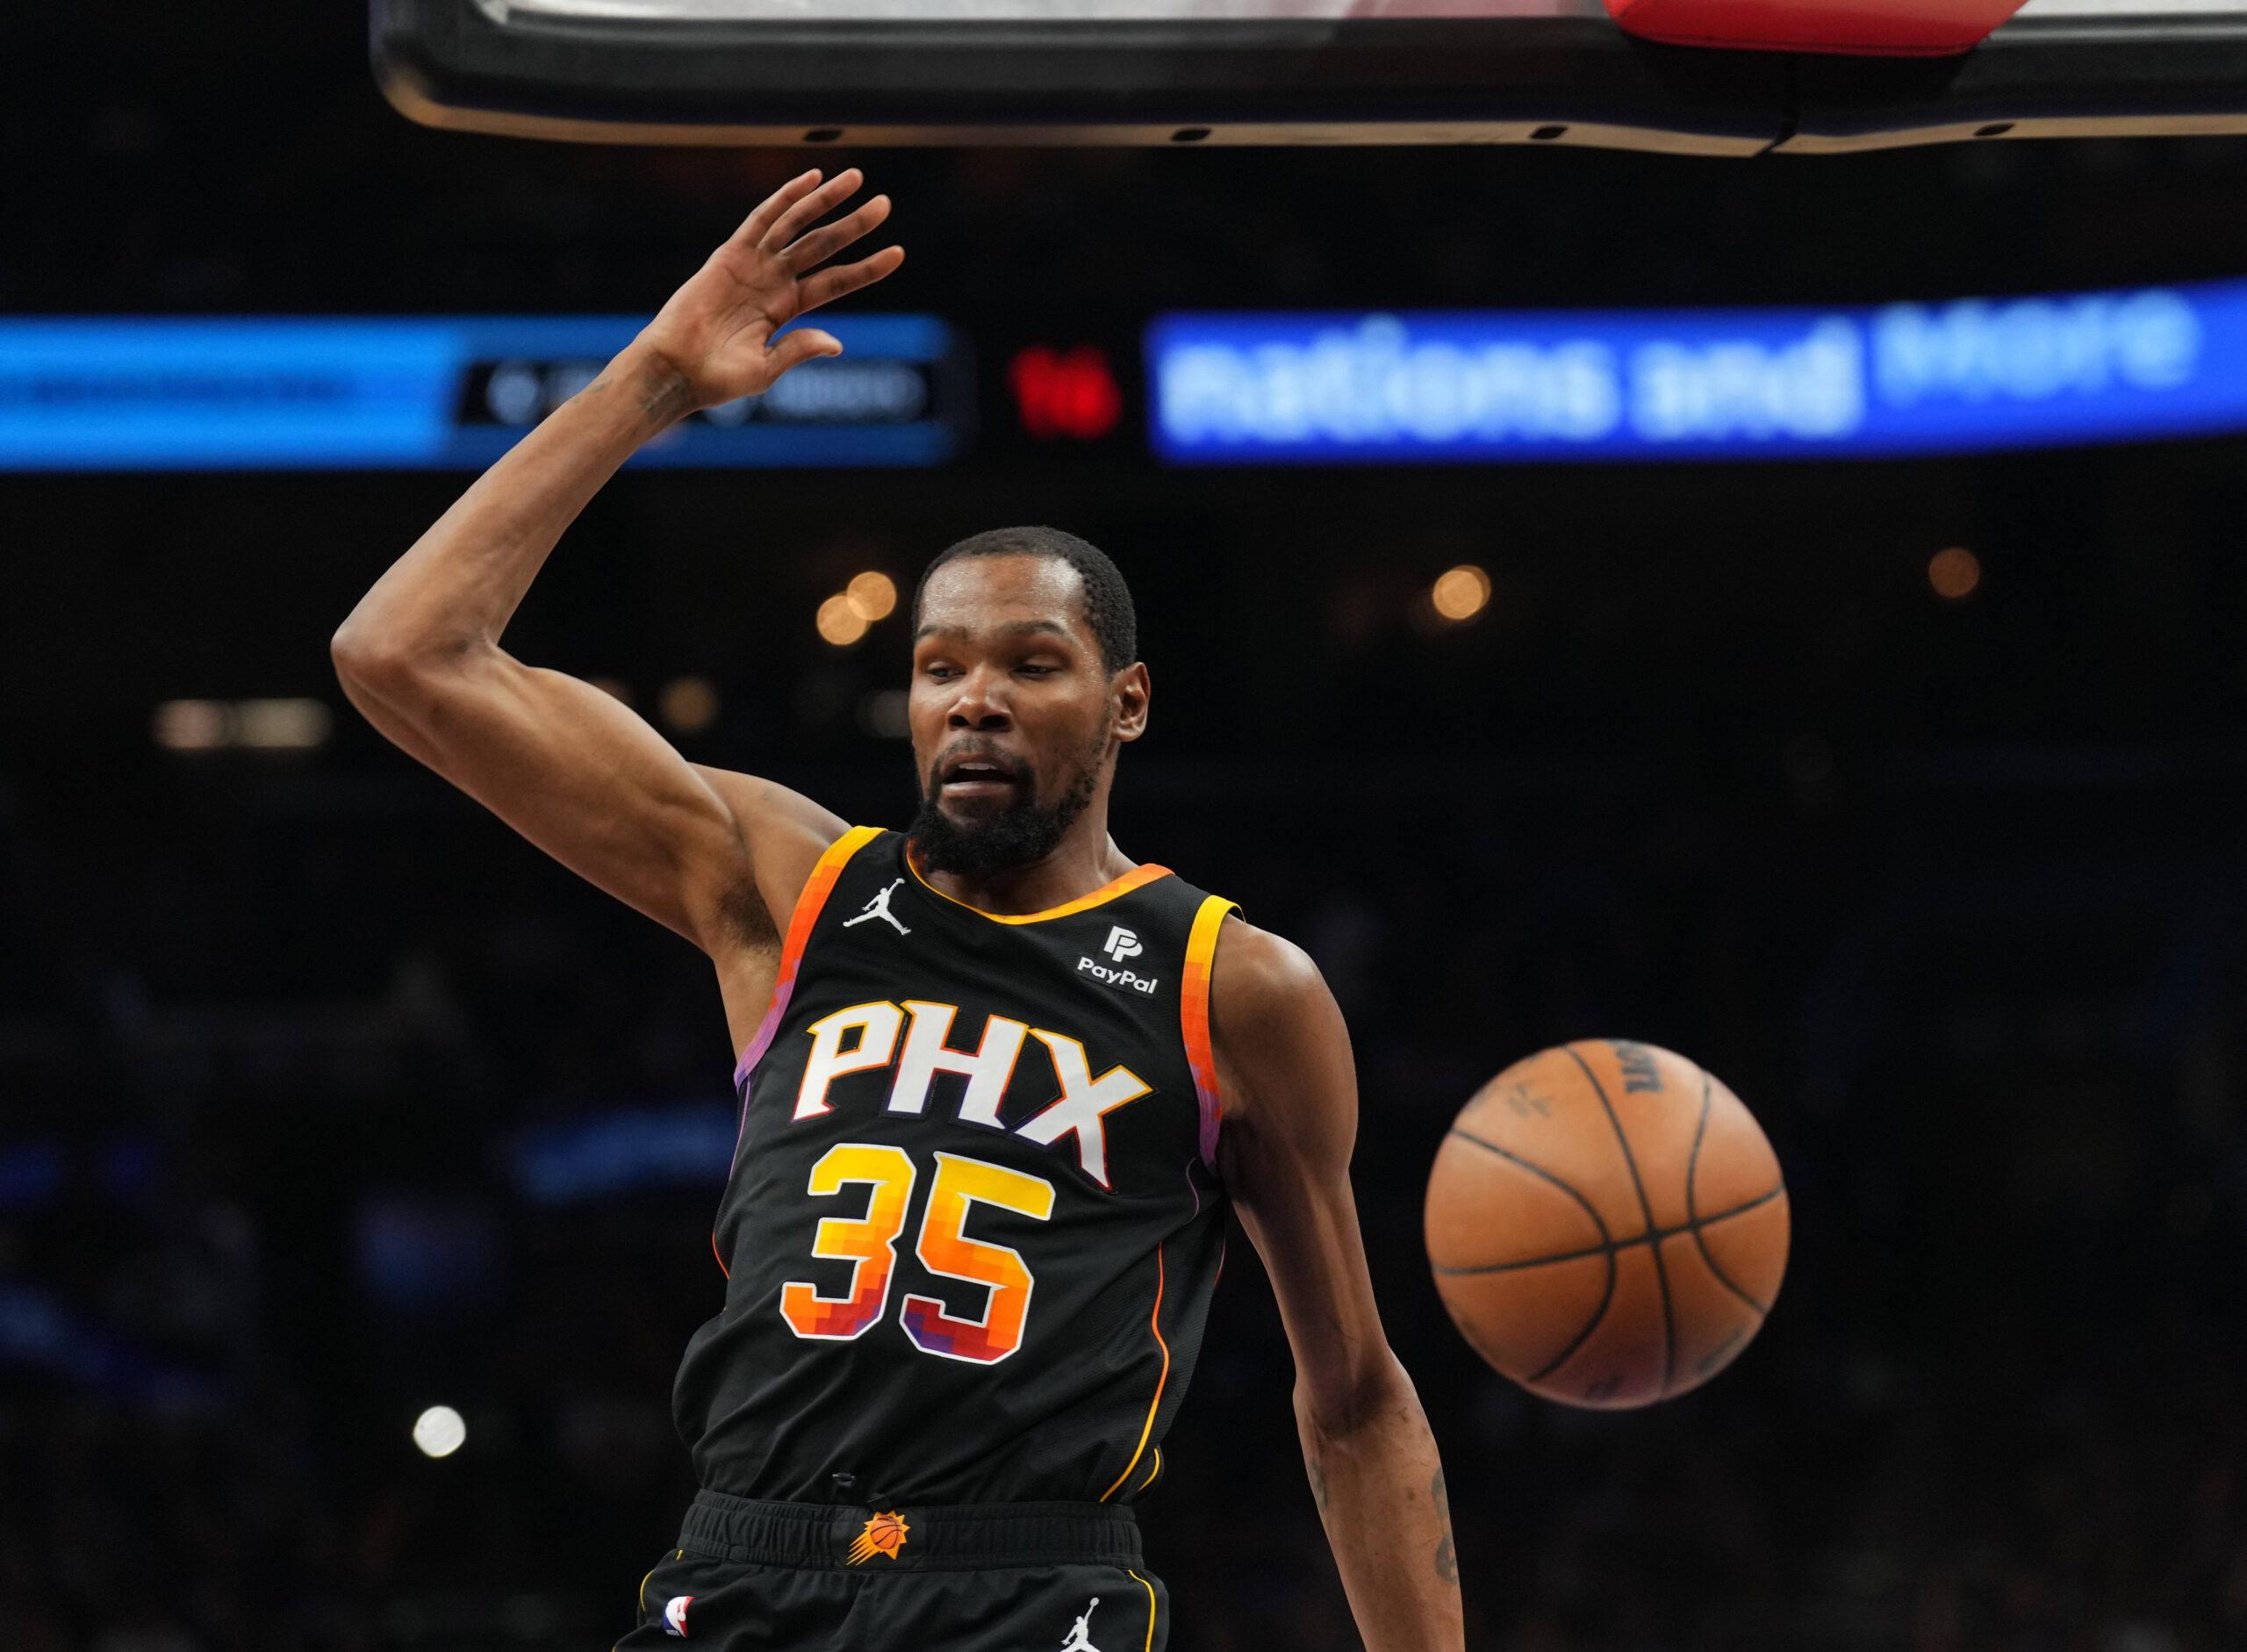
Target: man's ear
1129,691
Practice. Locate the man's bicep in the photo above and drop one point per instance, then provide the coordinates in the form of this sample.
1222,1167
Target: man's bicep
1297,1210
586,778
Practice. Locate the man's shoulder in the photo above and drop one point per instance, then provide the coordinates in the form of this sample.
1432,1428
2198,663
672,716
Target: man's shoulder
763,806
1281,1047
784,832
1260,976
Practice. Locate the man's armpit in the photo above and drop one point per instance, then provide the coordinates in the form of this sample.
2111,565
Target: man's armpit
744,919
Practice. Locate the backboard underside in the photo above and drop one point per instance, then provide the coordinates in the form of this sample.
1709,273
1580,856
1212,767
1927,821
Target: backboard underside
895,72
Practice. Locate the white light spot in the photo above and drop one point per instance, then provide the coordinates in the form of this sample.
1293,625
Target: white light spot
282,725
513,393
439,1432
194,725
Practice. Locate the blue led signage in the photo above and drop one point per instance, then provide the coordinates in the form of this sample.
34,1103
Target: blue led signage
434,392
1529,387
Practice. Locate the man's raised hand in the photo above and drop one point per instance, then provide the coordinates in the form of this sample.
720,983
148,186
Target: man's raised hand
716,332
569,768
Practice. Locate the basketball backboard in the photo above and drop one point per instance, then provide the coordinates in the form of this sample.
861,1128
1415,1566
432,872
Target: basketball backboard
889,72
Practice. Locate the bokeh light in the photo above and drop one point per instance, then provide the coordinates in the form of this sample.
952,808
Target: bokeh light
1461,592
689,704
193,725
886,714
1954,573
439,1432
839,621
283,725
263,725
872,595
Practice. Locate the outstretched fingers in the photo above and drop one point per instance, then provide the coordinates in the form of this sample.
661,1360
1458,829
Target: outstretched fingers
830,285
758,223
825,241
809,208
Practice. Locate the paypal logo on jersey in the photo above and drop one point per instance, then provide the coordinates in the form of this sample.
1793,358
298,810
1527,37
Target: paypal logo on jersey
1126,979
1120,944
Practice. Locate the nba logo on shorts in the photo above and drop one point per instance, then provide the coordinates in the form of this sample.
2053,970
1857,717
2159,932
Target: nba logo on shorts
1121,943
675,1615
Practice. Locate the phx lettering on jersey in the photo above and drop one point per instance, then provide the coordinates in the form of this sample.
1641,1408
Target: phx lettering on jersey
1084,1102
1120,944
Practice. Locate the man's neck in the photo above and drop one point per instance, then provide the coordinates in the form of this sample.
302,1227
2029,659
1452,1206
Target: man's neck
1087,859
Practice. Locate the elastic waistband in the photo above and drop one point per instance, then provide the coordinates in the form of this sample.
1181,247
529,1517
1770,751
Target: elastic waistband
918,1537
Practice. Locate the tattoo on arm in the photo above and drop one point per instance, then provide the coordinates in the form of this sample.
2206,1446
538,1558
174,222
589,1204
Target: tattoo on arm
1447,1554
1317,1485
665,397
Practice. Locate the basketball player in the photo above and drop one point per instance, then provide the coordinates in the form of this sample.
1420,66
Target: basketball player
999,1085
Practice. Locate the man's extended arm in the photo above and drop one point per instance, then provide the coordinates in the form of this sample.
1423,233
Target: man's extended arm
1291,1107
711,855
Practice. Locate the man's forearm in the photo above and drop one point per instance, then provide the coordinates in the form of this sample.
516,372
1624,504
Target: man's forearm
464,578
1379,1484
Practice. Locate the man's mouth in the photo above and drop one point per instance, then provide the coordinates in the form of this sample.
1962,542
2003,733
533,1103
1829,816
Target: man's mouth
966,779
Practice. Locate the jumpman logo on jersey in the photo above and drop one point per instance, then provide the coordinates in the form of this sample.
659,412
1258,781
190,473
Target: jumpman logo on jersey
879,907
1080,1638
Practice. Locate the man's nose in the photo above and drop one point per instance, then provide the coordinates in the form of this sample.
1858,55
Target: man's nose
979,706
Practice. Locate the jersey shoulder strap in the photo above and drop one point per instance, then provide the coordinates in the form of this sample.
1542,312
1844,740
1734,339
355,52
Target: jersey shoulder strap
1193,1014
825,874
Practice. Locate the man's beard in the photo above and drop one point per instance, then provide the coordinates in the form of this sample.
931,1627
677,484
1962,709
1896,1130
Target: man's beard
1020,835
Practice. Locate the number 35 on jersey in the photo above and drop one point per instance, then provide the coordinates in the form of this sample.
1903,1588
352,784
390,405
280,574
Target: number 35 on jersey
869,1243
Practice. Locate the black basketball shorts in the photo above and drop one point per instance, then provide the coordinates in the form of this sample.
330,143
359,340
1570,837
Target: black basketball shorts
753,1576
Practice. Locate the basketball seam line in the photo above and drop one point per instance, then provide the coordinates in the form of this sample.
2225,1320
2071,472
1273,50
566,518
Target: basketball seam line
1725,1279
1606,1249
1692,1168
1646,1209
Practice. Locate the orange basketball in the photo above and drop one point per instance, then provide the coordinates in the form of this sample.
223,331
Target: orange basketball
1607,1224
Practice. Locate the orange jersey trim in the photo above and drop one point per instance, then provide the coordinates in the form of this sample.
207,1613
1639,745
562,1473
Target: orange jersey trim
1194,1017
1155,1321
817,888
809,904
1137,878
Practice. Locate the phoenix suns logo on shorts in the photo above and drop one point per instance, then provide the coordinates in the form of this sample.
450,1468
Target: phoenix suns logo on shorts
884,1534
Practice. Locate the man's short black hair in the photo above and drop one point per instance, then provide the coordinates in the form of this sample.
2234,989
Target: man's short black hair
1108,600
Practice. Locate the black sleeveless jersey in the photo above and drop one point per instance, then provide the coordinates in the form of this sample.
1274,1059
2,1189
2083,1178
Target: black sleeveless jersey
972,1226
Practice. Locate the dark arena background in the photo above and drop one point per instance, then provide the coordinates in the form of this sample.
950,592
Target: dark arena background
1905,793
